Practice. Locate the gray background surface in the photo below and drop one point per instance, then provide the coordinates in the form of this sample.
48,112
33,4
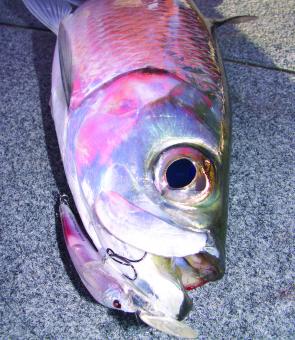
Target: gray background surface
42,296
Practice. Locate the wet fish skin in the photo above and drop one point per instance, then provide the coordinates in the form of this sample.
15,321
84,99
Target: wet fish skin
147,98
137,85
156,96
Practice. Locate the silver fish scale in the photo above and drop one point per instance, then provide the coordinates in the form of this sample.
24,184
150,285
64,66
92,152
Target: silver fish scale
108,40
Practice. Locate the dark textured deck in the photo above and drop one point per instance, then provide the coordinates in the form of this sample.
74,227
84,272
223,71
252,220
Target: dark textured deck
42,297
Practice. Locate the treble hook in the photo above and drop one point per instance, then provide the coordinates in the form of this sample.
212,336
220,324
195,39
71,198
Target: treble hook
63,198
125,261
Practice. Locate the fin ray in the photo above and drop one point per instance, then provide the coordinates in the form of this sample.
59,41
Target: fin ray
65,60
239,19
49,12
76,2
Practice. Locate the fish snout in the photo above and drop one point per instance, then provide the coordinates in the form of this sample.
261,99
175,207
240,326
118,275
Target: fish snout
209,264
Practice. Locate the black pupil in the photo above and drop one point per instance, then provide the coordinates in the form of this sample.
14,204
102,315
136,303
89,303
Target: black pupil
116,304
180,173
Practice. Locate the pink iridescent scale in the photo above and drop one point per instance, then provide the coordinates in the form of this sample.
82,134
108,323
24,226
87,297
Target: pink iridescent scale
107,41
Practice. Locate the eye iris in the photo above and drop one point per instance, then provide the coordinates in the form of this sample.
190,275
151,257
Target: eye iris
180,173
116,304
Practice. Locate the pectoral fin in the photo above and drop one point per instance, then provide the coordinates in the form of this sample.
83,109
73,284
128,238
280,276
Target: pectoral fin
239,19
65,60
215,23
49,12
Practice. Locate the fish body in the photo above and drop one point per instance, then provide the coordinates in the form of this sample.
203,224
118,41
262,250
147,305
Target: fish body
146,89
139,104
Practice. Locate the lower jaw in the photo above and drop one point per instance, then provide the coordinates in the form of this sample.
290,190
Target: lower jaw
198,283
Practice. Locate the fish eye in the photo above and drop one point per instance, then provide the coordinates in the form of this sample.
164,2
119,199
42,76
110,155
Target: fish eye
117,304
184,174
180,173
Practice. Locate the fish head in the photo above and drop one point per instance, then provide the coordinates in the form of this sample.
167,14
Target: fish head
151,154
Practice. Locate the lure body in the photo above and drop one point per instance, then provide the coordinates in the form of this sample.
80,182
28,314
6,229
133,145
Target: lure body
99,278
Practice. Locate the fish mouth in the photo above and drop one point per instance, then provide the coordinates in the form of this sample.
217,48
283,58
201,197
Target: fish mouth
199,269
206,265
200,251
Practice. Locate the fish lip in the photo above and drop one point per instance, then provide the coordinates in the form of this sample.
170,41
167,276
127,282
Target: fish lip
201,282
203,266
207,268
